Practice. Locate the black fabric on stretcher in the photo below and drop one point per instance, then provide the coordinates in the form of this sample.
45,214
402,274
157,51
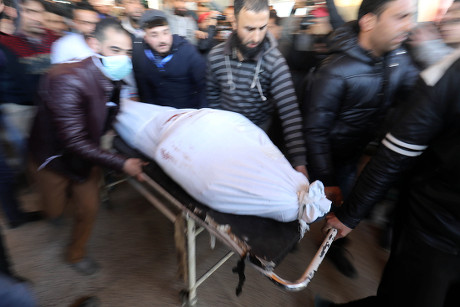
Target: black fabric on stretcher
269,240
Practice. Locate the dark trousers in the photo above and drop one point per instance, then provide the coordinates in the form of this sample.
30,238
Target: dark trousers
8,199
346,177
12,292
4,263
417,275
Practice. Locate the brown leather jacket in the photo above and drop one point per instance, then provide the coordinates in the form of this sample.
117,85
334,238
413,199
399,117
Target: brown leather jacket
71,118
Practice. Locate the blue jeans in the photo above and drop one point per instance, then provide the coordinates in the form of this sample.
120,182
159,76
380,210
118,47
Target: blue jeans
15,294
14,137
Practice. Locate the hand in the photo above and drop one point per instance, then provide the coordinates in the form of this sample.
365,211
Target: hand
333,222
133,167
10,12
422,33
201,34
302,169
334,194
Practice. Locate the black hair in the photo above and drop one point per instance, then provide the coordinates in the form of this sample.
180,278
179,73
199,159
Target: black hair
142,2
274,15
42,2
106,23
83,6
156,22
59,8
250,5
372,6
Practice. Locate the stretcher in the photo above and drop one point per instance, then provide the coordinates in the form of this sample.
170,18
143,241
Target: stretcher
261,242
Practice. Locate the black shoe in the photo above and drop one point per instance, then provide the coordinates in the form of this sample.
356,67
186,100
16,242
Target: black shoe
87,301
337,255
386,237
321,302
86,266
27,217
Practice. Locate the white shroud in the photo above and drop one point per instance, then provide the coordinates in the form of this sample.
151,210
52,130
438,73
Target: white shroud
222,160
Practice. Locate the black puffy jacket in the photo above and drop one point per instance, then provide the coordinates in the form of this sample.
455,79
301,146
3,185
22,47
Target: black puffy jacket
348,99
424,142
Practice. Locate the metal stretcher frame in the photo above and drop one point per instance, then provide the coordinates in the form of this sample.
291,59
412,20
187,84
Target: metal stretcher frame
199,218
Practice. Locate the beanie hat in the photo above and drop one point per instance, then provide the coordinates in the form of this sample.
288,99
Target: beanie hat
203,16
150,16
319,12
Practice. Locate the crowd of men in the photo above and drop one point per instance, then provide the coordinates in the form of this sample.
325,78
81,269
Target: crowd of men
362,120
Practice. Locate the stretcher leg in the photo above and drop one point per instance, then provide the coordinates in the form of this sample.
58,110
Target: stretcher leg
180,242
191,250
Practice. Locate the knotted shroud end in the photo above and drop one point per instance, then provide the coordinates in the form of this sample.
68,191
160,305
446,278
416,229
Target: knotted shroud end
313,204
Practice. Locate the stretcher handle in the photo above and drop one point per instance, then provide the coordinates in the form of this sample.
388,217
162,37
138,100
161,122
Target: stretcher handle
305,279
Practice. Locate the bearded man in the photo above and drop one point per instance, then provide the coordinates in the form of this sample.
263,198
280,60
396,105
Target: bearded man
247,74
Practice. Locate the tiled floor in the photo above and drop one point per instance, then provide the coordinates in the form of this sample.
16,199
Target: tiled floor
134,244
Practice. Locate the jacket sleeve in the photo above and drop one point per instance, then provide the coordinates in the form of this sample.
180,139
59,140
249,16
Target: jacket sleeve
322,104
282,90
421,121
64,101
212,84
140,76
191,28
198,72
335,19
429,52
206,44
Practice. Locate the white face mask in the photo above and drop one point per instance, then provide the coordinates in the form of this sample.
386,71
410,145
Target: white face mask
191,5
116,67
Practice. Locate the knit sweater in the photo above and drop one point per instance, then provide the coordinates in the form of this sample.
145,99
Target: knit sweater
256,88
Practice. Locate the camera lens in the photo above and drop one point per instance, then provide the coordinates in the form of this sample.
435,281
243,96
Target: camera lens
220,17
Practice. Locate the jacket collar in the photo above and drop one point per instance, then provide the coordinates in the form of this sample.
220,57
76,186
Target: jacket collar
178,41
94,66
345,40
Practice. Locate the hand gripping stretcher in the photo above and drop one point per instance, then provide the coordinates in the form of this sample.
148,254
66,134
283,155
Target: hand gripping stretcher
263,242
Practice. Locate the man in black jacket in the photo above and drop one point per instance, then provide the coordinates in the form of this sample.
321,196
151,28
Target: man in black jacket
424,265
351,92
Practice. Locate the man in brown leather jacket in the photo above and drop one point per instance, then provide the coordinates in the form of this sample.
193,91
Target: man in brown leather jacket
78,101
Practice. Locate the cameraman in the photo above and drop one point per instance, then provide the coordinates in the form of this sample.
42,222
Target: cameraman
207,23
308,46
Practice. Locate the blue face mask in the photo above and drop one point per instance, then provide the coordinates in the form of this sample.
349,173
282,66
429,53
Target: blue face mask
117,67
